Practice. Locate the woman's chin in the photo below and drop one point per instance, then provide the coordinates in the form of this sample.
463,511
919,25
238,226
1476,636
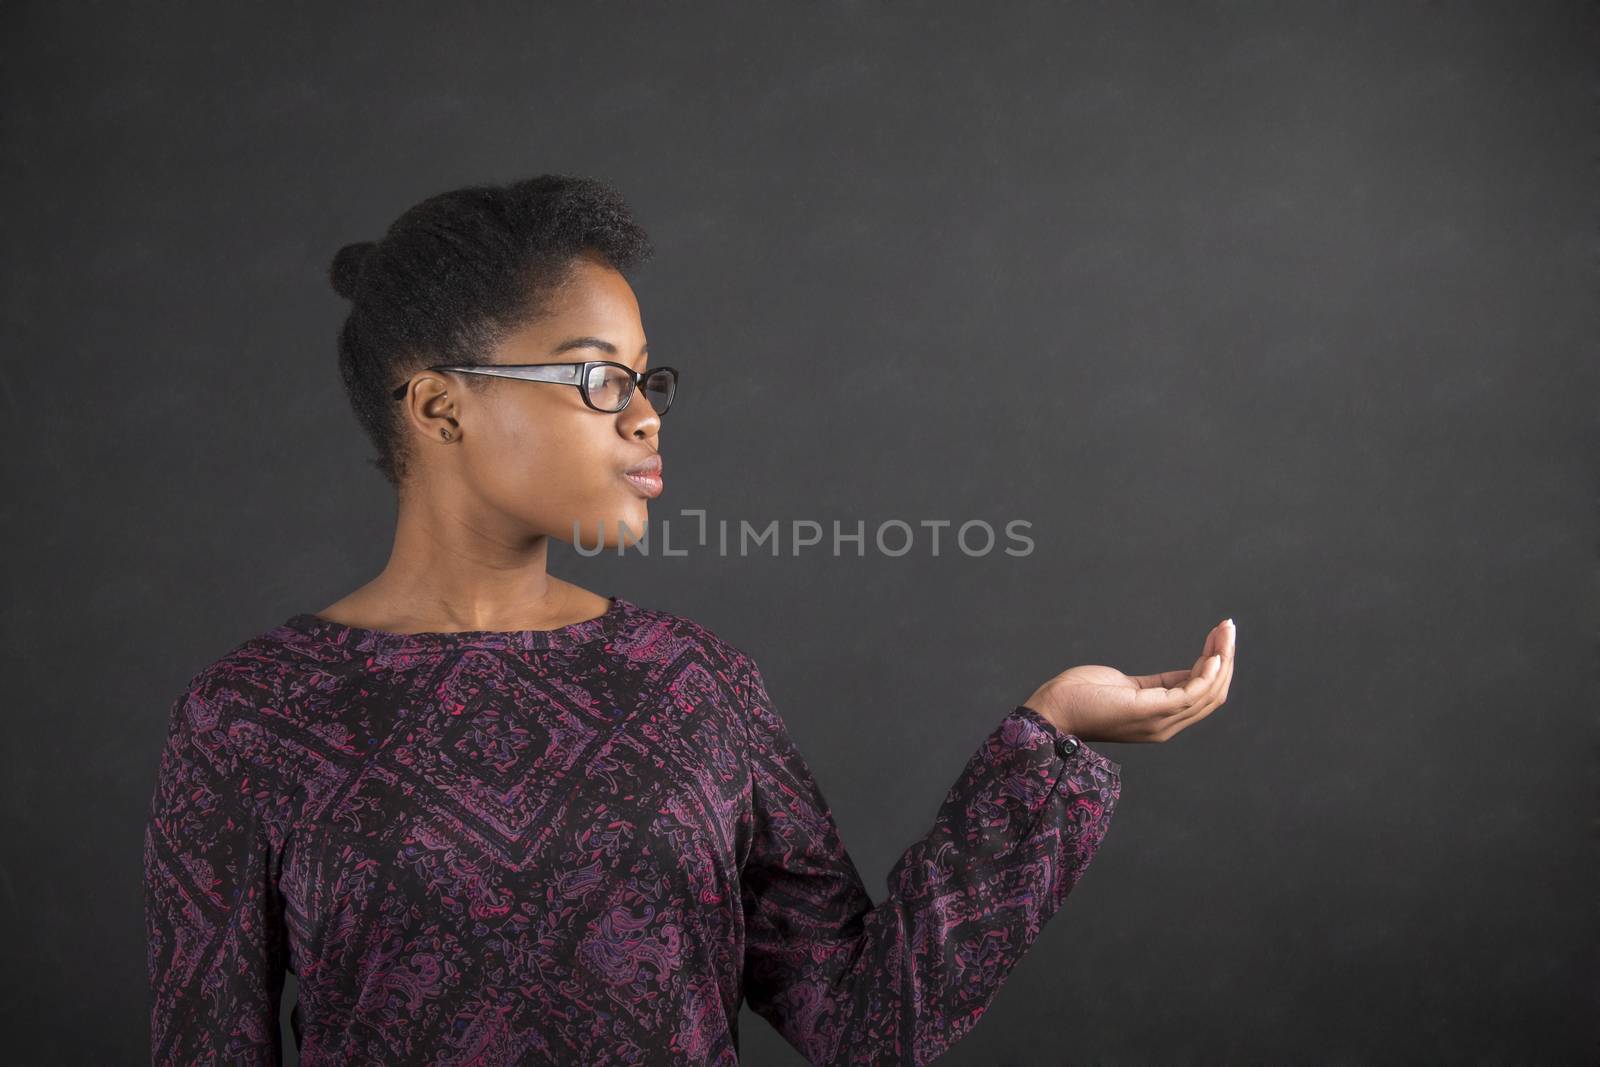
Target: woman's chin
624,528
630,527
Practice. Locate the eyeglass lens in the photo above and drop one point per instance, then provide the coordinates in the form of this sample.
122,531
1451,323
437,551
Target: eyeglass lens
610,388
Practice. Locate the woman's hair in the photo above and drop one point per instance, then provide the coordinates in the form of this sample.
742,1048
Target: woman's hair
456,273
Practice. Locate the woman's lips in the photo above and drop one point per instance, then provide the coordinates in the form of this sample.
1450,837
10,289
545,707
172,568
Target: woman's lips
646,475
647,482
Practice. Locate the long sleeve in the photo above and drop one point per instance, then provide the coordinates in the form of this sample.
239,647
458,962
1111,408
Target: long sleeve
845,981
213,918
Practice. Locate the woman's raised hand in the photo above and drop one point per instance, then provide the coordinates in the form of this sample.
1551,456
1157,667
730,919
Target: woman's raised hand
1102,704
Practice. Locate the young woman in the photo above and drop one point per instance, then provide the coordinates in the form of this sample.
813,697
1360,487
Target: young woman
487,816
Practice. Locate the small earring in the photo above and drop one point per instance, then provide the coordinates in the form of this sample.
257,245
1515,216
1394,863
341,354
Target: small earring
444,433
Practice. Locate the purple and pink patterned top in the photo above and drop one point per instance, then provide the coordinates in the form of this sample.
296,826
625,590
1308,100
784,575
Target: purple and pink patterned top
584,845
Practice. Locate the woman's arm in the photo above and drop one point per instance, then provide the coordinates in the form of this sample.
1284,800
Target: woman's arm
849,982
213,922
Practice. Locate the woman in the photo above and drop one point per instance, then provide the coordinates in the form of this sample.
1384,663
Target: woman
487,816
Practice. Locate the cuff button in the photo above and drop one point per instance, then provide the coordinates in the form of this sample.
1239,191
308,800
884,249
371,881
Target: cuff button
1066,746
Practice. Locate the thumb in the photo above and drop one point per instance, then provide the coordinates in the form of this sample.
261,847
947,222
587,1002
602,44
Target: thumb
1166,679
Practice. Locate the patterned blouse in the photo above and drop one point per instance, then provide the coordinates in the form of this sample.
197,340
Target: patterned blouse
586,845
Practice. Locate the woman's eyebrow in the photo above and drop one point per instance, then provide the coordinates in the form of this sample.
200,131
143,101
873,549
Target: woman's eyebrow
591,342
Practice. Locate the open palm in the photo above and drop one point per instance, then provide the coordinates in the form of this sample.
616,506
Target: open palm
1099,703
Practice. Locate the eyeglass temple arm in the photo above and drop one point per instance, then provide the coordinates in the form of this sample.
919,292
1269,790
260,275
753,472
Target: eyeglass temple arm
565,372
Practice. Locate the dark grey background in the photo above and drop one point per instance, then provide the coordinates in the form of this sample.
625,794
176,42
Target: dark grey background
1279,311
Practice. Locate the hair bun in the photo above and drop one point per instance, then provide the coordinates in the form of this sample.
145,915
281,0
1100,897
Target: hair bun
348,263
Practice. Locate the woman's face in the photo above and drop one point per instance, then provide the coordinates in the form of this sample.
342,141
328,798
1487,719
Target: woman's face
533,453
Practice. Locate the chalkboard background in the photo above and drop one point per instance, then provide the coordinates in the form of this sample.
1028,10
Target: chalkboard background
1284,312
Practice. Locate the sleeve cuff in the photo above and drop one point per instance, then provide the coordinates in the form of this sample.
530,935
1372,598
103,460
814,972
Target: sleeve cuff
1068,746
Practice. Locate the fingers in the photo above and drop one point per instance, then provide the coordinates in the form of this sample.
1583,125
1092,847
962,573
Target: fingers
1164,680
1225,675
1161,703
1201,682
1217,692
1174,700
1215,642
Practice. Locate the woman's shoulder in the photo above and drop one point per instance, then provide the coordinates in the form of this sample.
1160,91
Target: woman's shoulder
652,624
672,638
248,681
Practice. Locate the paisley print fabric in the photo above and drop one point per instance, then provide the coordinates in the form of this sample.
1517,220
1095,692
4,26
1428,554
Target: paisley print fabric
587,845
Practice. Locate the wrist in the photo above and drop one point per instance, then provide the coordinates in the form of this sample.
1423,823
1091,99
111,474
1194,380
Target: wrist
1050,715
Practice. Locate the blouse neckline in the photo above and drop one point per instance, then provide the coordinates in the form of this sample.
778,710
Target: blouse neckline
367,640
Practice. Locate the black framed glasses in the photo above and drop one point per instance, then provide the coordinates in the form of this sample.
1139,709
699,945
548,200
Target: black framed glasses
605,386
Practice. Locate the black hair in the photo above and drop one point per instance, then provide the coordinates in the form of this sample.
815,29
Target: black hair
457,272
